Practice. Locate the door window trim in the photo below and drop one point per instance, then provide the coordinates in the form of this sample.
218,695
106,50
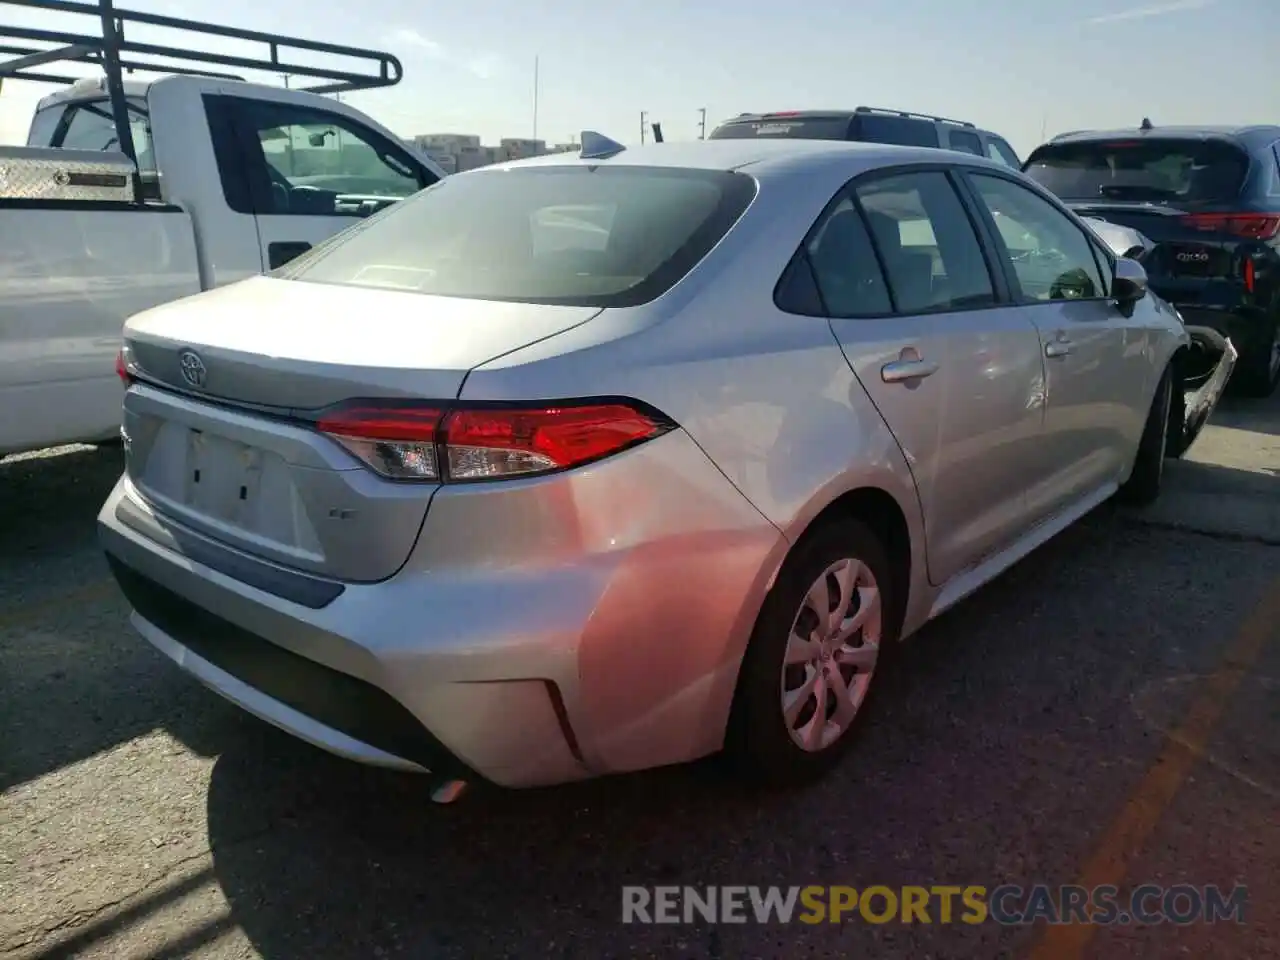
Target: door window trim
242,163
1106,268
996,267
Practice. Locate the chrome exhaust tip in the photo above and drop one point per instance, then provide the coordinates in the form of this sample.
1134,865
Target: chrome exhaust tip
448,791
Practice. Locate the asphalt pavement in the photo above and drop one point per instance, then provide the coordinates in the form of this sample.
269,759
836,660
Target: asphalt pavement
1106,712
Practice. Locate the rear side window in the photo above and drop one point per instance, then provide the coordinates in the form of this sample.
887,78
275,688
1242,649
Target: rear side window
1152,170
573,235
904,131
784,128
928,244
90,126
965,142
845,267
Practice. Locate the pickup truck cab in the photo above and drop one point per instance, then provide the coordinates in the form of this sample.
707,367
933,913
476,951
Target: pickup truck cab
233,179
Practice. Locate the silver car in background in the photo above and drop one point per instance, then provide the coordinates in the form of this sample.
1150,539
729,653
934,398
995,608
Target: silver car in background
588,464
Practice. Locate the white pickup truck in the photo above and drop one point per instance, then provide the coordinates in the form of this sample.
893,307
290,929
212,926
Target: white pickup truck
233,179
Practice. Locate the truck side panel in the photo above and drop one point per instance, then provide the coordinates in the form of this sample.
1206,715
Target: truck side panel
70,275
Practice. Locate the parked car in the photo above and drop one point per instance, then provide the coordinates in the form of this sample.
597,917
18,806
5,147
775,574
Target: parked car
870,125
210,179
539,512
1208,200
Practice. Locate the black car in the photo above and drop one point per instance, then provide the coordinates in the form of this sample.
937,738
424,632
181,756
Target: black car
870,125
1208,200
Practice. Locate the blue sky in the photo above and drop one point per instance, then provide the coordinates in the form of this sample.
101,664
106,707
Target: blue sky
1015,67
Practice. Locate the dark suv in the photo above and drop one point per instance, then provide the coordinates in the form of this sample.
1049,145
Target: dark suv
871,125
1208,199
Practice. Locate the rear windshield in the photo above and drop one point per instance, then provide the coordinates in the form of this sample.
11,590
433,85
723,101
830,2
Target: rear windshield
784,128
573,235
1146,170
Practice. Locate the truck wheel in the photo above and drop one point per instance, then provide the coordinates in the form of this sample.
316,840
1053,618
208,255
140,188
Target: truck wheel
1258,370
821,638
1143,485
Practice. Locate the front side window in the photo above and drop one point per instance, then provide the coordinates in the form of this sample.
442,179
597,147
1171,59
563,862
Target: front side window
1051,257
929,246
323,164
574,235
1001,152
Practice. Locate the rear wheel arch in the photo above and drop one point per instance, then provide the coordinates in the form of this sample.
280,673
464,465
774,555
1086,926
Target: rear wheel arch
880,512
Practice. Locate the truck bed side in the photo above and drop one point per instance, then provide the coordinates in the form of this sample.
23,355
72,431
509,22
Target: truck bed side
71,273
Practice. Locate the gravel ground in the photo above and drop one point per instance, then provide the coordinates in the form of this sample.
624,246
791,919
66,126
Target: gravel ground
1073,720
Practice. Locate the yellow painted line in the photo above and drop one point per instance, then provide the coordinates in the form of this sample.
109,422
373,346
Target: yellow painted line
87,593
1130,831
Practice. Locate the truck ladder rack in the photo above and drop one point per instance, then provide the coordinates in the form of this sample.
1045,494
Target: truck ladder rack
108,48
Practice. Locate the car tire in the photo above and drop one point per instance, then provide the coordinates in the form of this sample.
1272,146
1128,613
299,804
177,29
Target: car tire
1175,443
1143,485
1257,371
764,743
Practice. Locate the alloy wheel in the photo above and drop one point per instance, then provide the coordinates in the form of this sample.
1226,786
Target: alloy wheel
831,654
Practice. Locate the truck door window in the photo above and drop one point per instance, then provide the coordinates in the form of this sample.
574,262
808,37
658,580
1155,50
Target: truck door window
322,164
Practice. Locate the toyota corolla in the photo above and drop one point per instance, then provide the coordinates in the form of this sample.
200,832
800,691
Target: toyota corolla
593,463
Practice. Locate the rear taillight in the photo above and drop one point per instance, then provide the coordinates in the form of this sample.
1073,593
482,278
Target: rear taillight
122,367
1250,278
1247,226
423,441
397,441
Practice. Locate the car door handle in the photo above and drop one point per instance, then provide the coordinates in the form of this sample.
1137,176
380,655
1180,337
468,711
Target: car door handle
1059,348
900,371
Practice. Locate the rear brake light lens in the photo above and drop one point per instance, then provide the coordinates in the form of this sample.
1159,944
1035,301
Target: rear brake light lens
427,442
122,367
1247,226
397,441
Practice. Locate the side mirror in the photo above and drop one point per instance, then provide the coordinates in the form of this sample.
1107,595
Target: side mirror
316,139
1131,282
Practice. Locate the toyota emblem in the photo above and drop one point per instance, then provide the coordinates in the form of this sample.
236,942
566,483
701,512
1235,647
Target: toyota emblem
193,368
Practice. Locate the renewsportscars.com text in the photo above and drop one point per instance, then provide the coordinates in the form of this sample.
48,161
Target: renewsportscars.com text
1007,904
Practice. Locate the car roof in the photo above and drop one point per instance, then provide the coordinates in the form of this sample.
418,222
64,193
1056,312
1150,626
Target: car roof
1249,134
764,157
846,113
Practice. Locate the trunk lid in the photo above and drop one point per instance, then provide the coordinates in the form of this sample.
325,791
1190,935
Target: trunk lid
294,345
222,456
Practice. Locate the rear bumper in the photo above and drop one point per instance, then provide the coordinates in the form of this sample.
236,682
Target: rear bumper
1205,379
504,656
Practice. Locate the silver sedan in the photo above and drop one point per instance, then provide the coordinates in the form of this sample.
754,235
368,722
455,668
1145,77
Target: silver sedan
598,462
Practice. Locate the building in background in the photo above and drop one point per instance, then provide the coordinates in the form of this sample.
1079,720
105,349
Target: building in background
457,152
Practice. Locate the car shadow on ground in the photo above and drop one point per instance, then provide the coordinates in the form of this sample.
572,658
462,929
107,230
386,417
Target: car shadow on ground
75,678
373,867
1248,413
